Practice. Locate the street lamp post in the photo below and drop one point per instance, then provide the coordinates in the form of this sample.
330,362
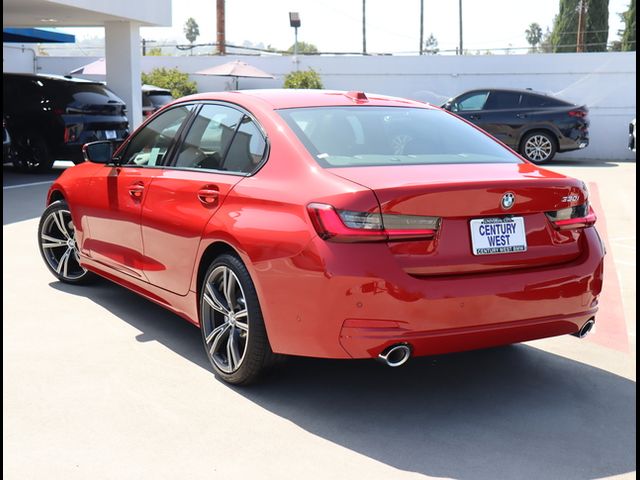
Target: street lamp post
294,21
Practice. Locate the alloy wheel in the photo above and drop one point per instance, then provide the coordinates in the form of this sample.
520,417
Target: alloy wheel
538,148
59,246
225,319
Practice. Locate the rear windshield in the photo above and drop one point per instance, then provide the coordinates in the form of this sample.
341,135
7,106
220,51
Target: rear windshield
372,136
158,99
83,93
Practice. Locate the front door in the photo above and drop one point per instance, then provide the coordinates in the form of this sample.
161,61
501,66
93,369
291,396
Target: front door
222,146
118,194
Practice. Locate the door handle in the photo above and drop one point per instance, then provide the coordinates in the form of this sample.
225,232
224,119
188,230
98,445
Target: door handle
521,115
474,117
136,190
209,195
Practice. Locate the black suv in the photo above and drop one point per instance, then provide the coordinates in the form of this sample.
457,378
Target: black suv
50,117
534,124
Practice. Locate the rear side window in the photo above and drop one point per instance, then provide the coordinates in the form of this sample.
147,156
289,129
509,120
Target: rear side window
151,144
541,101
209,138
380,136
223,139
502,100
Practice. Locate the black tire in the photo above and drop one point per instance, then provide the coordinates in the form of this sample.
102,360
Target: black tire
32,154
248,339
57,245
539,146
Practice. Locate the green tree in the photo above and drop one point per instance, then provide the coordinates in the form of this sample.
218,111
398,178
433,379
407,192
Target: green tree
303,79
154,52
534,36
628,36
171,79
191,30
565,27
545,44
431,45
304,48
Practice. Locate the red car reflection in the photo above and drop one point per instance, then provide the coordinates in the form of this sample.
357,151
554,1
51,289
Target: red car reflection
328,224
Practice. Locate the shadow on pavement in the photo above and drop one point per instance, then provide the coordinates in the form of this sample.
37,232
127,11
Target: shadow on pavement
24,194
511,412
581,162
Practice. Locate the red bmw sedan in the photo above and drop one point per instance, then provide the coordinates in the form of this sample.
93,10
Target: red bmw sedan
328,224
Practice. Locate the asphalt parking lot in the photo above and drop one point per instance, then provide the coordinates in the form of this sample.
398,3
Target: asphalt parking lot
100,383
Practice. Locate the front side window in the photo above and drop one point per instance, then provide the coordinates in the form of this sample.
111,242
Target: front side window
380,136
151,144
224,139
472,101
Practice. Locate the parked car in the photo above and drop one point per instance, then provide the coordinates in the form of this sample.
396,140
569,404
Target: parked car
154,98
534,124
632,135
328,224
50,117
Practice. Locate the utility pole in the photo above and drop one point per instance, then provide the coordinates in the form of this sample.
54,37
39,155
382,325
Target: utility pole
364,27
220,36
460,21
421,25
583,7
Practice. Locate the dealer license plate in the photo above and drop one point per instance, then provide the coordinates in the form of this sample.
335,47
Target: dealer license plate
498,235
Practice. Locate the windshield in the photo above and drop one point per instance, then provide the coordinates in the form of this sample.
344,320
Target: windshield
371,136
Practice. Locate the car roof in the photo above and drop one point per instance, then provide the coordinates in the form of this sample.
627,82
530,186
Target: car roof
153,89
510,90
298,98
51,76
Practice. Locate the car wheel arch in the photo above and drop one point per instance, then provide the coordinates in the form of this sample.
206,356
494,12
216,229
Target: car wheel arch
56,195
210,253
546,130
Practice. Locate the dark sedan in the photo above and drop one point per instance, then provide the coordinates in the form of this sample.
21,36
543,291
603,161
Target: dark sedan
534,124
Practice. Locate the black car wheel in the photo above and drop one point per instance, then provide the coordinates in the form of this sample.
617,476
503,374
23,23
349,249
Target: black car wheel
233,330
31,154
58,247
538,147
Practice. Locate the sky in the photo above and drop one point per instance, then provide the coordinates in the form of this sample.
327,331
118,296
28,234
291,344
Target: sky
392,26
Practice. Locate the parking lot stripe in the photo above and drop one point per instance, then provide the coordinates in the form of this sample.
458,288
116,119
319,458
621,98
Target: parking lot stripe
23,185
611,327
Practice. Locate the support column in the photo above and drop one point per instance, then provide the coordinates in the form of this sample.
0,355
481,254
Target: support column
122,54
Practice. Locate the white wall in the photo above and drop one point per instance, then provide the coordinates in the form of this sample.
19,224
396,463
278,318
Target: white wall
18,58
605,82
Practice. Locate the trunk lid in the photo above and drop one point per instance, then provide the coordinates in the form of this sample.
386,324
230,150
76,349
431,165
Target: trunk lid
461,193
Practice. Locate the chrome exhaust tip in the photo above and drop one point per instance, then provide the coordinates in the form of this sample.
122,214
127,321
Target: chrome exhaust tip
585,329
396,355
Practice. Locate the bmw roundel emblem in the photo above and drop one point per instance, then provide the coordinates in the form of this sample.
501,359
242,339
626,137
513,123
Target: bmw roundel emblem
508,199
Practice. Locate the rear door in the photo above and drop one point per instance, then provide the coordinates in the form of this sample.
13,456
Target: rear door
503,116
222,146
119,192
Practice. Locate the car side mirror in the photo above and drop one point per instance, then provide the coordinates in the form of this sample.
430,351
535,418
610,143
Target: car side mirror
447,106
99,152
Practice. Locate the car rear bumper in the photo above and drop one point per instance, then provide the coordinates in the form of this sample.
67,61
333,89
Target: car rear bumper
574,139
354,301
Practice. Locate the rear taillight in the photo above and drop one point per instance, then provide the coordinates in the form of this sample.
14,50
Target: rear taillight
571,218
71,133
351,226
577,113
